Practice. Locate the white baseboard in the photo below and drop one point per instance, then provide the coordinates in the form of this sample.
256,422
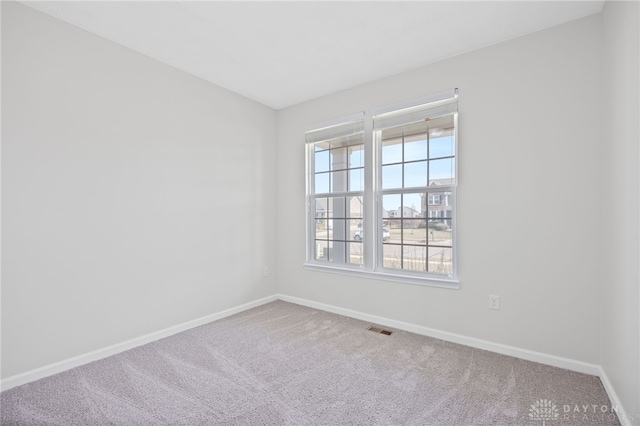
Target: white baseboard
542,358
67,364
625,420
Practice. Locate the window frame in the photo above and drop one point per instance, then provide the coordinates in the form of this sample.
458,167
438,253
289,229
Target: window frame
426,189
372,215
311,195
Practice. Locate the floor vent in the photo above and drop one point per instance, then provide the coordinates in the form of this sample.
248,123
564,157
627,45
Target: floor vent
380,330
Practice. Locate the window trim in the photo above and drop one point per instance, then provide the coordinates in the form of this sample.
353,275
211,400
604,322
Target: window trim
371,266
405,278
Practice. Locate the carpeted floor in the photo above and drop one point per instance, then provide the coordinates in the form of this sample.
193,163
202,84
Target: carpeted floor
286,364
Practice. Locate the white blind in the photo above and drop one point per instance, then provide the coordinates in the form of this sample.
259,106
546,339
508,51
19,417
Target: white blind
346,126
415,113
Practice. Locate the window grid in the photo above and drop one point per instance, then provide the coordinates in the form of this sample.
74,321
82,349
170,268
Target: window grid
433,254
337,208
420,228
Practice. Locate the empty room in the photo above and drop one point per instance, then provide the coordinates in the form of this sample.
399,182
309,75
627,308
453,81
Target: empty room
320,213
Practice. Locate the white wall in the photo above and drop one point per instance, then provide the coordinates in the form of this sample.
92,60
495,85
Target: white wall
135,196
529,218
620,328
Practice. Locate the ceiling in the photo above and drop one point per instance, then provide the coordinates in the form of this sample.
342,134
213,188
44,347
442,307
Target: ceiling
284,53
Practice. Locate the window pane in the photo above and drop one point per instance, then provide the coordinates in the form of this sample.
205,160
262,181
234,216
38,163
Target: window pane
336,207
356,156
412,205
414,231
321,183
322,161
339,181
395,230
440,260
337,251
434,199
414,258
322,250
415,148
339,142
355,253
330,229
357,139
320,208
441,127
356,180
441,146
416,130
415,174
392,176
355,231
339,160
391,205
439,233
322,229
338,231
392,151
440,205
442,170
355,207
321,146
391,256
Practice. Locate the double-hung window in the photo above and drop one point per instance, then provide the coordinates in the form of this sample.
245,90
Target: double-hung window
382,203
336,177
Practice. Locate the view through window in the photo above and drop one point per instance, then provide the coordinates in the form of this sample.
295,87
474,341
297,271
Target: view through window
418,171
385,202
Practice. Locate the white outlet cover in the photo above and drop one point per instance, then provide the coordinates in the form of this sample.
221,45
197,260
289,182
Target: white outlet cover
494,302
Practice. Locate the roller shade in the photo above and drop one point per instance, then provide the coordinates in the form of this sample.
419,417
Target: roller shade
345,126
425,109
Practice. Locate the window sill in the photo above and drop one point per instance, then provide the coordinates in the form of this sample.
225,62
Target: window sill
450,283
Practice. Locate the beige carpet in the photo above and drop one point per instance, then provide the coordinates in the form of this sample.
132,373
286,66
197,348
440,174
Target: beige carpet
286,364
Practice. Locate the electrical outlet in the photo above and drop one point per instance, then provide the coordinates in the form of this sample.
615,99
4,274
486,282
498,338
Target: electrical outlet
494,302
265,271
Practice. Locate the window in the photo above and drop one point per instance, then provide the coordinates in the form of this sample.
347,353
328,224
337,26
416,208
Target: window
382,202
336,171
